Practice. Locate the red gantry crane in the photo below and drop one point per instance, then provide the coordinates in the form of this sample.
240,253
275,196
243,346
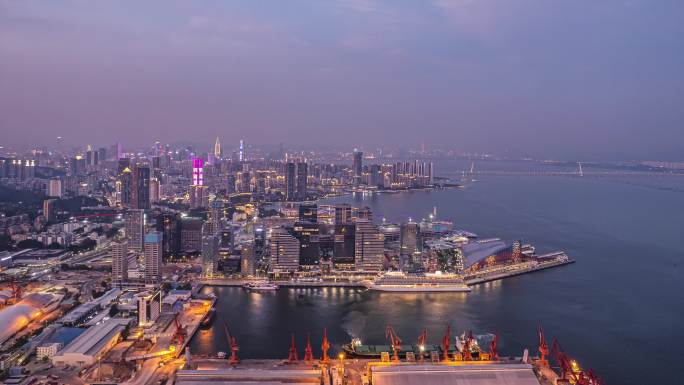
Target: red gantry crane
395,341
543,348
234,347
325,346
308,351
292,355
493,353
446,343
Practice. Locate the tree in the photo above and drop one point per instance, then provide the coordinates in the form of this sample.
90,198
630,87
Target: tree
29,244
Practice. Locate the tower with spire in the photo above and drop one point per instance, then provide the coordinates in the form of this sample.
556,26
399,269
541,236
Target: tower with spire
217,149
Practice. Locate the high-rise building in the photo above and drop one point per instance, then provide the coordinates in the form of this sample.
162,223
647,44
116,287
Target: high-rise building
284,251
199,196
170,227
308,212
241,157
307,233
369,247
225,248
217,149
290,181
343,244
154,190
55,188
50,209
149,308
126,187
247,259
191,234
357,166
153,258
119,253
409,238
210,247
302,177
135,229
140,198
343,213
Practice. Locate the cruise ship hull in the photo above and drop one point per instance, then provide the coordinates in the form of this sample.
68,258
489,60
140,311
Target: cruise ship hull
425,289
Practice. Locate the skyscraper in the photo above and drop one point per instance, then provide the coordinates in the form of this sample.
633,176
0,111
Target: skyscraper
409,238
290,181
369,247
154,190
210,247
170,227
308,212
135,228
358,163
50,209
302,176
140,198
217,149
284,251
119,253
153,258
126,187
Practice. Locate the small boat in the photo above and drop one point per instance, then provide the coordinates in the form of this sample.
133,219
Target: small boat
260,286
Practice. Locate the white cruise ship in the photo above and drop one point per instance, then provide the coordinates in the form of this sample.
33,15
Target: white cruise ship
428,282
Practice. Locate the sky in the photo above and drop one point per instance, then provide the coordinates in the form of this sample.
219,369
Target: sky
562,79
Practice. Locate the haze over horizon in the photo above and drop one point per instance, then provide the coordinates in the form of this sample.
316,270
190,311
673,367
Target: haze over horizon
559,79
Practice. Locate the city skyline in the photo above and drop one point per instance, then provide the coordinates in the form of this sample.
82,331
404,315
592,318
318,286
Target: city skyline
569,80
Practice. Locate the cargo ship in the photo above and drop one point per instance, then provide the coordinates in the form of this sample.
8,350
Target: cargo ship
356,349
396,281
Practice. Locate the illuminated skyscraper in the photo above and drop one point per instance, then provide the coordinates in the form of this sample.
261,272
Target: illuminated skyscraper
242,151
302,177
217,149
284,251
210,247
199,196
358,163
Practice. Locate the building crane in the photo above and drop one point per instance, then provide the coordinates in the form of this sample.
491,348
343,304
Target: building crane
234,347
395,341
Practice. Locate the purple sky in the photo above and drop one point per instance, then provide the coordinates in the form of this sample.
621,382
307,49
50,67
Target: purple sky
557,78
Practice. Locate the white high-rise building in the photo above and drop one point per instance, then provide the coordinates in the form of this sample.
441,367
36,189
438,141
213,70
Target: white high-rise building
153,258
369,247
135,228
284,251
119,254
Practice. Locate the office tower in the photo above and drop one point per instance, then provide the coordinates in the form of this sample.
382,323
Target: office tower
302,175
244,182
50,209
284,251
290,181
392,234
119,253
170,227
225,248
365,213
216,216
247,259
191,234
135,228
308,212
92,158
343,213
369,247
77,165
102,154
217,149
153,258
119,151
210,247
154,190
375,178
343,244
230,184
307,233
409,238
140,197
357,166
126,187
199,196
431,173
242,151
